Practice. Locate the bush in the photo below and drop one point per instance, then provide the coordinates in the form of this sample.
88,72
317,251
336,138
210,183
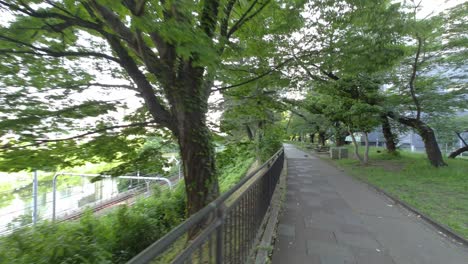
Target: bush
271,142
112,238
70,242
233,163
121,234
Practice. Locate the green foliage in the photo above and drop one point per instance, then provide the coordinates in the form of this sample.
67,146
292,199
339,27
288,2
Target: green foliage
122,233
233,162
271,141
167,54
112,238
448,127
148,159
347,49
308,122
352,101
348,38
432,76
64,243
53,57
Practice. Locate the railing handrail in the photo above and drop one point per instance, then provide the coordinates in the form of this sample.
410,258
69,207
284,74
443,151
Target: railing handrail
167,240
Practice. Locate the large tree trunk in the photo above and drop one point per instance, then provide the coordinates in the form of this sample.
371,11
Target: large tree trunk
458,152
187,93
340,139
366,152
197,153
322,138
312,135
197,150
356,147
389,137
430,142
195,139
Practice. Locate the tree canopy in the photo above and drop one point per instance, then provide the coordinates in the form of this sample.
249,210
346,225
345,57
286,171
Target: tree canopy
100,80
170,54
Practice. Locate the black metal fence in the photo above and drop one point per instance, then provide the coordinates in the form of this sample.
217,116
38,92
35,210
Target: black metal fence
230,223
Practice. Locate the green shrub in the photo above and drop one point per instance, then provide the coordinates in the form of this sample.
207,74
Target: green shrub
112,238
271,142
69,242
122,233
233,163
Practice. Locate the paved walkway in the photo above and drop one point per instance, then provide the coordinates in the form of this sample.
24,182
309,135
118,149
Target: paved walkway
330,218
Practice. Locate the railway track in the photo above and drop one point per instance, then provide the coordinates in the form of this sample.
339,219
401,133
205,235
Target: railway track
124,198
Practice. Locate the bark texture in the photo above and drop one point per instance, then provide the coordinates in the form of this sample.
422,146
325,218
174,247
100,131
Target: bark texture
322,138
458,152
340,141
197,154
388,134
311,136
427,134
356,148
366,152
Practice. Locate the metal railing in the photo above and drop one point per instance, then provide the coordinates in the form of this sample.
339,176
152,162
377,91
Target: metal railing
226,228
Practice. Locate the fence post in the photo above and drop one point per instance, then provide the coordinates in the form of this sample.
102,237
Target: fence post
34,215
219,234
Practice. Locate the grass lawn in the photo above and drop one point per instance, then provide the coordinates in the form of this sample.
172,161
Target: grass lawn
441,193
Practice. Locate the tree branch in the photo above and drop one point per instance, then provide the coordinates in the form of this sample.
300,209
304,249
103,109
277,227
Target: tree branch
51,53
43,141
75,20
157,110
413,78
58,54
126,86
314,77
330,75
114,23
227,16
461,138
255,78
209,16
246,17
136,43
135,6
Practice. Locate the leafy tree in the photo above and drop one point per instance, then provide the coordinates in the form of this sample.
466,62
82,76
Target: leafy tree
167,53
390,137
452,131
350,46
252,111
307,121
348,38
352,102
424,87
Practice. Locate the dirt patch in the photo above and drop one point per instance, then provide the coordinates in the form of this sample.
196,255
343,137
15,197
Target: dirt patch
388,165
322,154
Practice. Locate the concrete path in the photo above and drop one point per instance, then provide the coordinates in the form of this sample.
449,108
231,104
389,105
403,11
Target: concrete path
331,218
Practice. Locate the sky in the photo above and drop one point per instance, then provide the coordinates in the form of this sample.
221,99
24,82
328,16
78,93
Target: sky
435,6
